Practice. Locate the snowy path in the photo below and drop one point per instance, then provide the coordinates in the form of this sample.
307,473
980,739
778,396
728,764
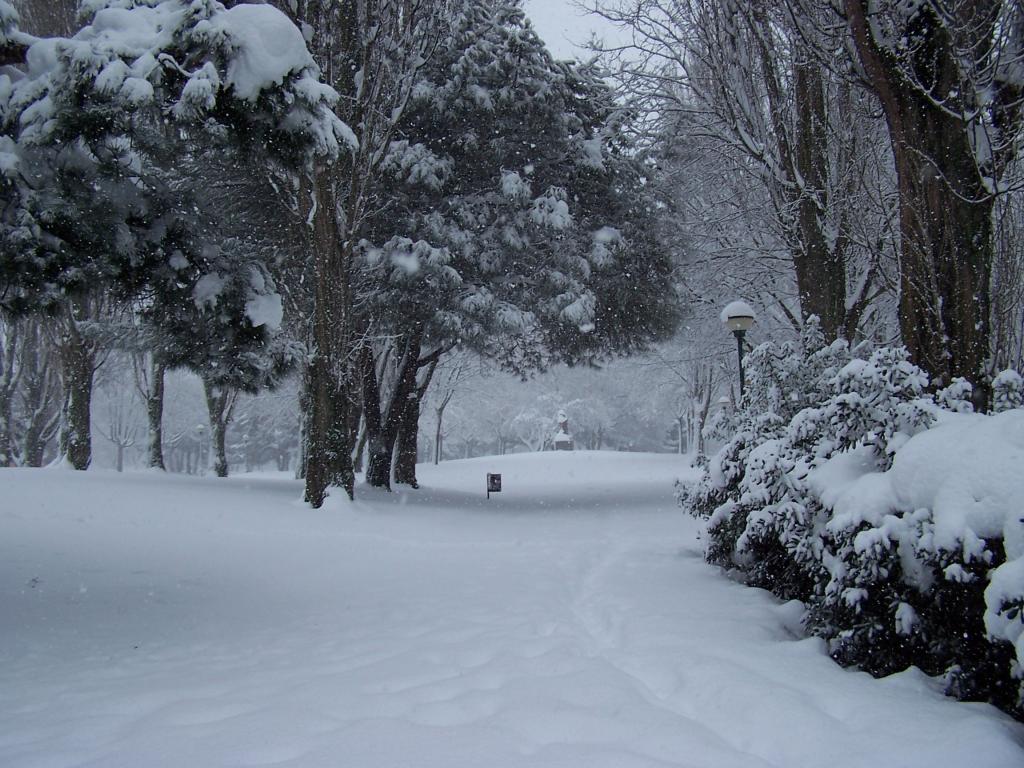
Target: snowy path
161,621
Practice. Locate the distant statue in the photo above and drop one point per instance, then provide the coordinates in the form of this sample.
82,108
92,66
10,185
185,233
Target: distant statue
563,440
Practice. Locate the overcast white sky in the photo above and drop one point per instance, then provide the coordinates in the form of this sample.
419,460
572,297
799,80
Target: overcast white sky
562,26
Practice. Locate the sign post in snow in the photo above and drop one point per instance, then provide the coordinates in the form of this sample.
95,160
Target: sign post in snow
493,484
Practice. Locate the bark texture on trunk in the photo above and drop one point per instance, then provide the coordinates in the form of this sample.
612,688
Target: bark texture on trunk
370,52
382,427
945,204
76,432
8,386
801,185
328,455
819,262
78,367
331,217
220,404
155,415
40,398
407,447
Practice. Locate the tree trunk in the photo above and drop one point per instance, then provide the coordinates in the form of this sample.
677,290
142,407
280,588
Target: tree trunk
945,270
220,456
120,458
378,453
383,429
34,441
6,430
328,454
370,53
334,217
819,264
437,432
438,435
40,394
702,418
802,183
357,457
406,447
945,205
378,465
155,415
220,404
78,366
8,385
300,464
76,438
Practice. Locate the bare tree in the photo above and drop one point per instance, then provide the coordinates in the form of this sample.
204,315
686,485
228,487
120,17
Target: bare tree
694,373
737,91
946,73
439,409
120,428
455,374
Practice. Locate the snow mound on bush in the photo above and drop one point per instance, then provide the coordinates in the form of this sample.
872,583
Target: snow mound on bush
967,470
966,473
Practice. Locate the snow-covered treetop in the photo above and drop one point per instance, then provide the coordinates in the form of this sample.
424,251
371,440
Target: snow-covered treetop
736,309
194,59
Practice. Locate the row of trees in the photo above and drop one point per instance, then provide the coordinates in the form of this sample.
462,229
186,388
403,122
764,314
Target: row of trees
406,180
471,409
851,160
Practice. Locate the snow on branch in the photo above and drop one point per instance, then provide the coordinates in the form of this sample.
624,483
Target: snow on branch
198,62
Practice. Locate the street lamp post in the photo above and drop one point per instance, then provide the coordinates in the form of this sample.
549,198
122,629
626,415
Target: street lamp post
738,317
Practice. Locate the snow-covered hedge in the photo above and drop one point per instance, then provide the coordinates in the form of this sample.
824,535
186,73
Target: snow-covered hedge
897,515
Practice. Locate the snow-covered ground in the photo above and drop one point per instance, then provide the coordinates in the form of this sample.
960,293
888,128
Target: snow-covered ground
150,620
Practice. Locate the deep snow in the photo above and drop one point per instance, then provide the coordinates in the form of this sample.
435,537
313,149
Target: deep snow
150,620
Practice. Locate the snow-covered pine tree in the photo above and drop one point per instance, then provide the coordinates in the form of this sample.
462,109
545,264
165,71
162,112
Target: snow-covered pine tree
224,328
86,210
517,225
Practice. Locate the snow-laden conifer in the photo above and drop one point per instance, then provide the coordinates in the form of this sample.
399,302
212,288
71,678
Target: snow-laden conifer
97,130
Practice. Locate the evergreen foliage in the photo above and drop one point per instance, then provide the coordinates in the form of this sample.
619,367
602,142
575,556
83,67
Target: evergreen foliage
520,227
85,204
812,499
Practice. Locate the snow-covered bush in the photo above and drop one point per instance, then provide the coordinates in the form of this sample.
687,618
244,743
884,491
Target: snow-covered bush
784,381
1007,391
893,513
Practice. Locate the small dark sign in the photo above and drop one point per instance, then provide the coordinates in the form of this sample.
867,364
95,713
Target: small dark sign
493,484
